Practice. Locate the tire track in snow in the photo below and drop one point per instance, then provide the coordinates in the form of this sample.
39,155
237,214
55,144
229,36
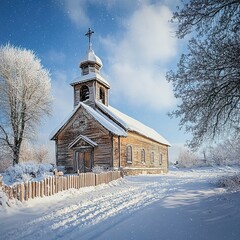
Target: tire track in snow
99,205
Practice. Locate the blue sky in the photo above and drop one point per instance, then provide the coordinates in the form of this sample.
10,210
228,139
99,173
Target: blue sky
134,39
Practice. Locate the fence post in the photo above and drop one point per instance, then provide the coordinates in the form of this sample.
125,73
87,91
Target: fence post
22,192
1,178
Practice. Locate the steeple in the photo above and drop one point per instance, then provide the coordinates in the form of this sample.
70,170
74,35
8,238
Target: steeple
92,63
90,86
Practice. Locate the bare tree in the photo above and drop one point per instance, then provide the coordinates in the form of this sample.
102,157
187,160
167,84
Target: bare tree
207,79
24,96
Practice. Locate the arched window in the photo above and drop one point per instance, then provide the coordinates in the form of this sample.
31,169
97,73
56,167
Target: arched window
84,93
152,157
102,95
129,154
143,156
160,159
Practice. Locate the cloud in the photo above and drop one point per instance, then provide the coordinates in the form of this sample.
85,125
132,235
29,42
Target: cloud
76,10
139,52
138,59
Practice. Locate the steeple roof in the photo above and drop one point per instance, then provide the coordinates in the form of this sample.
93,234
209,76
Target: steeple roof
91,57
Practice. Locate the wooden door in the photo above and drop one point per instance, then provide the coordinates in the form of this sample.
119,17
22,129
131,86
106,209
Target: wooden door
87,161
83,160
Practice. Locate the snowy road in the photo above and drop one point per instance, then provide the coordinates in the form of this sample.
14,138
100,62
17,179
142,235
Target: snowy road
180,205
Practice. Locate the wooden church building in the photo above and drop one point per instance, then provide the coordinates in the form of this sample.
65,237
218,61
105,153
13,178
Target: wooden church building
96,134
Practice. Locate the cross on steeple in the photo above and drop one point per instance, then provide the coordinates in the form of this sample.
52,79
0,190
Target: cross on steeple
89,34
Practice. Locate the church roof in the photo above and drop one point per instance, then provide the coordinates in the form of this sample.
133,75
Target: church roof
106,123
131,124
114,121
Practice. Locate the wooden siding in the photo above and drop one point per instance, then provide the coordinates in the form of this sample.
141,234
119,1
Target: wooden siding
83,123
138,142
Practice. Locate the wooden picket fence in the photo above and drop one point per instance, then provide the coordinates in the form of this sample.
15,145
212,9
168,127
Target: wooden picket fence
54,184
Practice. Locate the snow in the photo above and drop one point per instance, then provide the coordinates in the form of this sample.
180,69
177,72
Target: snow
184,204
89,77
105,122
92,57
132,124
24,172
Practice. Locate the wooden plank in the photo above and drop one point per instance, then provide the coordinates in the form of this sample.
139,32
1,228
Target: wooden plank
22,192
42,188
33,189
68,184
29,189
56,184
49,186
60,184
74,186
26,191
65,183
36,189
18,191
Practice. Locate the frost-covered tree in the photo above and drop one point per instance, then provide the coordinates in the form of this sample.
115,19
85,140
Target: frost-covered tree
207,79
24,96
226,152
187,158
34,153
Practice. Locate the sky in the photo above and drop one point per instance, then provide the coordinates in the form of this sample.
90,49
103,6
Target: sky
134,39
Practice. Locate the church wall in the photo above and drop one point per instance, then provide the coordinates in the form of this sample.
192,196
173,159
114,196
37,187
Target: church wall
138,143
83,123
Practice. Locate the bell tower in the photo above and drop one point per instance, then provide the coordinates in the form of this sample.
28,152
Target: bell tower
90,86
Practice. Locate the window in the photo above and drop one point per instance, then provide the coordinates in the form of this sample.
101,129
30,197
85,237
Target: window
84,93
143,156
129,154
160,159
152,157
102,95
85,70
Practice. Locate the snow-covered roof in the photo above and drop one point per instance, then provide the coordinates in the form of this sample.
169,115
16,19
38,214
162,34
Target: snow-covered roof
114,121
131,124
84,138
89,77
92,57
106,123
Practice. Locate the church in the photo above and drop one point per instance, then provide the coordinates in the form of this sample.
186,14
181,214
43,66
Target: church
98,135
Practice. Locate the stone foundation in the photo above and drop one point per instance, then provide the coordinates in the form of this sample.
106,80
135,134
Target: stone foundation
137,171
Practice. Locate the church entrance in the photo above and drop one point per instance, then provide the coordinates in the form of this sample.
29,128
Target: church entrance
83,160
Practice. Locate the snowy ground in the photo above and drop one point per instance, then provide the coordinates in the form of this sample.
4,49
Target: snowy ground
180,205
